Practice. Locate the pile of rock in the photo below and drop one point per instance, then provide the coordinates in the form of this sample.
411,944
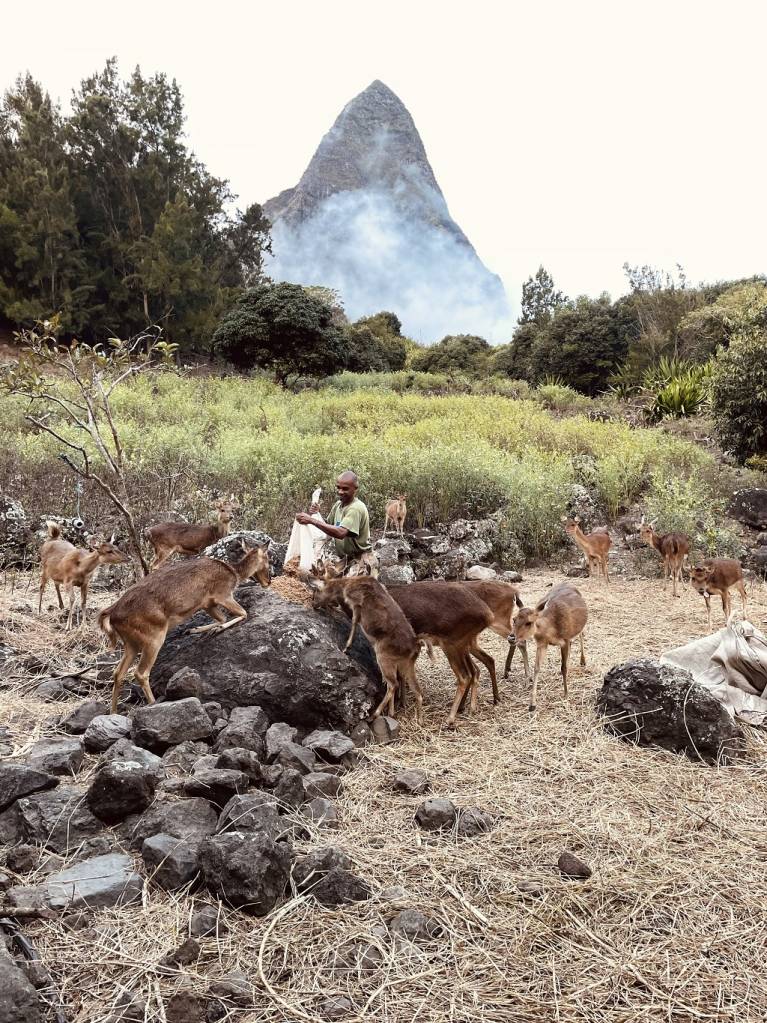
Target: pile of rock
749,507
463,550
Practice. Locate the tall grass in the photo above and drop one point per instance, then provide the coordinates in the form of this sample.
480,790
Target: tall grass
454,455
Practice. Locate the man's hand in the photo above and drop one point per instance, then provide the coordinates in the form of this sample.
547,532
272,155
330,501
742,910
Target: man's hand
304,519
313,508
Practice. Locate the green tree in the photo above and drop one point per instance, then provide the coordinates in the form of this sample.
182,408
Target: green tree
391,348
284,329
739,309
456,353
540,298
515,359
739,393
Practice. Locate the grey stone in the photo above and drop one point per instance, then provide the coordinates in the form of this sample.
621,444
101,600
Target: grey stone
289,789
385,729
298,757
124,749
184,683
207,921
360,957
185,954
278,735
56,756
130,1008
17,780
182,758
481,572
319,783
120,788
104,730
186,1005
414,925
472,822
217,785
11,830
510,577
160,725
284,658
171,862
234,988
78,720
570,866
59,819
22,858
214,710
322,812
436,814
18,999
50,690
187,819
413,781
96,883
750,507
326,874
329,744
207,762
245,729
361,735
396,575
337,1007
655,704
254,812
244,760
249,871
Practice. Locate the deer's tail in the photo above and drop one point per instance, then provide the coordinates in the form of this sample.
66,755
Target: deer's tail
105,625
54,530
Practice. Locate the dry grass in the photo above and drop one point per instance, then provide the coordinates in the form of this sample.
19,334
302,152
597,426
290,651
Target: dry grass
670,926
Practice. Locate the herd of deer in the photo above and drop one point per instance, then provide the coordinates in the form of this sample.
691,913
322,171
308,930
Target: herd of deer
398,621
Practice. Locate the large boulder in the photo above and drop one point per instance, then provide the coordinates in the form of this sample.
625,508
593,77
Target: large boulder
245,730
160,725
655,704
750,507
249,871
98,882
285,658
104,730
396,575
58,819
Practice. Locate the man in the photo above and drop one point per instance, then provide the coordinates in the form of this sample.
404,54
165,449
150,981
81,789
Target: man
348,526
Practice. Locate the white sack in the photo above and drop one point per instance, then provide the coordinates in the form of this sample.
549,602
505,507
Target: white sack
306,542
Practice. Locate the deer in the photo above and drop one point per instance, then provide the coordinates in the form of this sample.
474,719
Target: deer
672,547
141,617
396,510
451,616
168,538
69,566
718,575
555,621
594,545
386,627
502,599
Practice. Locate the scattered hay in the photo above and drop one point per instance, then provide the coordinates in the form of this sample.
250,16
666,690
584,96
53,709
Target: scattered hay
292,590
670,927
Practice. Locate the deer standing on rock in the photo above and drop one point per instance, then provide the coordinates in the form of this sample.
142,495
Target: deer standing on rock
717,575
594,545
188,539
555,621
69,566
380,618
396,510
672,547
142,616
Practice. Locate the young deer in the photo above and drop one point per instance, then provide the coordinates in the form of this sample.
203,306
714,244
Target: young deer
451,616
672,547
169,538
502,599
555,621
594,545
142,616
396,510
384,624
717,575
70,566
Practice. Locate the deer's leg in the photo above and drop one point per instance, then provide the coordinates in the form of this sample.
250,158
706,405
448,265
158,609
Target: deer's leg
708,607
743,596
583,653
43,584
509,657
388,666
220,623
57,588
146,662
565,661
355,619
83,599
478,653
463,680
605,569
70,588
386,525
726,605
129,654
407,673
540,654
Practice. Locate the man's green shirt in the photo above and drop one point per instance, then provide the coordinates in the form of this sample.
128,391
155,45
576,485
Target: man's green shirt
355,518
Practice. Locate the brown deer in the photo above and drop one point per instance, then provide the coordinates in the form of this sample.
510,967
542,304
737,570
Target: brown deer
502,599
142,616
451,616
69,566
384,624
672,547
554,621
594,545
396,510
717,575
188,539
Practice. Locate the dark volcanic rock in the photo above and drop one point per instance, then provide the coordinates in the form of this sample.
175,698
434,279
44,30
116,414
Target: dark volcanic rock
252,813
244,760
59,820
186,682
326,874
18,998
18,780
121,788
750,507
322,812
413,781
571,866
188,819
95,883
56,756
182,758
249,871
289,788
160,725
660,705
229,548
105,729
171,862
415,925
436,814
278,735
218,785
297,757
124,749
319,783
78,720
285,659
472,822
207,921
246,730
328,744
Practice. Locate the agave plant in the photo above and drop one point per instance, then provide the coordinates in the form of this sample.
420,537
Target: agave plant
684,393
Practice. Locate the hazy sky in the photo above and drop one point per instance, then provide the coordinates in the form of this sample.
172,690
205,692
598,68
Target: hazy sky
574,134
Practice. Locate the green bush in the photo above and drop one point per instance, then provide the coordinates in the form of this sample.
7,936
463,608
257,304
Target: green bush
739,394
685,505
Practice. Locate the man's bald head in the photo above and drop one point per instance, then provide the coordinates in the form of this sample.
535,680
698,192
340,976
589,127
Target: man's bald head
346,486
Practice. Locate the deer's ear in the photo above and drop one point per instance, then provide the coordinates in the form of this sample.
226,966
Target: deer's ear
314,583
563,518
112,538
577,518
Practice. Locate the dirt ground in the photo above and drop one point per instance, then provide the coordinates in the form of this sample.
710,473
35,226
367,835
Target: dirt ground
671,925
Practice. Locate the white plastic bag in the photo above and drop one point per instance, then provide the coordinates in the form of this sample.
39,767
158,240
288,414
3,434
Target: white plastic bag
306,542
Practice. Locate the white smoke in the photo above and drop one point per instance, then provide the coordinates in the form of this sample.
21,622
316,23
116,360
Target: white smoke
382,251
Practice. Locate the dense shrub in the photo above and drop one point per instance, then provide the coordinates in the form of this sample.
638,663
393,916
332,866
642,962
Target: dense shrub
685,505
460,353
739,394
